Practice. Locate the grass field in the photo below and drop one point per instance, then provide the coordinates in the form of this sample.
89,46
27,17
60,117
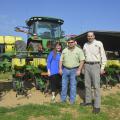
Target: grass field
110,110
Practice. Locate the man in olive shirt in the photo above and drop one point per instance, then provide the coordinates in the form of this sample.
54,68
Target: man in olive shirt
71,63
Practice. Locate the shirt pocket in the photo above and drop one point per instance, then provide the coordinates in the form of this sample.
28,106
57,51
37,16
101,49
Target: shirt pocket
77,56
65,54
96,49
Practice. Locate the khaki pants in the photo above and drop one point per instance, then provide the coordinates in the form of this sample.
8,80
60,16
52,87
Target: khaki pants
92,78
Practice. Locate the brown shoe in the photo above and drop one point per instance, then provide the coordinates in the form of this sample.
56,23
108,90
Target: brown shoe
96,110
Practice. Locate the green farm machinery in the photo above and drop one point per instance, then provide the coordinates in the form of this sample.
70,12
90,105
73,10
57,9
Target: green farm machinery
7,49
29,62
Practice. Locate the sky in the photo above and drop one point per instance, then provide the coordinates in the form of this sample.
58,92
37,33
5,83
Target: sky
79,15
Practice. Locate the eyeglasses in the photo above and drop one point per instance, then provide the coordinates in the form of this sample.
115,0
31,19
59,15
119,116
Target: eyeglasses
70,42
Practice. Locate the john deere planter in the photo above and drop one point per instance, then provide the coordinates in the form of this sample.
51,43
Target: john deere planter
29,62
7,50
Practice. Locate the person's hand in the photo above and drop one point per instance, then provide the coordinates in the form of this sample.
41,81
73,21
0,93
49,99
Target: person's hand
102,72
49,73
78,72
60,71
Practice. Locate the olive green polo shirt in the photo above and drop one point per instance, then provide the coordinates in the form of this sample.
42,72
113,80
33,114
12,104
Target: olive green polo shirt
72,58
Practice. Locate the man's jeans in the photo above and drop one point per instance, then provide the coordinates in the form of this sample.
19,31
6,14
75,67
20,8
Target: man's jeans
69,74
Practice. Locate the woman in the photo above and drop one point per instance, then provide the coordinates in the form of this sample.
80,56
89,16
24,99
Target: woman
53,69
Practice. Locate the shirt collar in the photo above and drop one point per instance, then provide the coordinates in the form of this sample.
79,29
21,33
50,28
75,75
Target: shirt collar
92,41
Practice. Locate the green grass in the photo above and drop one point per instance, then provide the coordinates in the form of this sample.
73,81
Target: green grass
24,112
50,112
110,110
112,100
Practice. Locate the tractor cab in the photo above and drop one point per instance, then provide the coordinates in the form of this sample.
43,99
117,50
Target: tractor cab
43,30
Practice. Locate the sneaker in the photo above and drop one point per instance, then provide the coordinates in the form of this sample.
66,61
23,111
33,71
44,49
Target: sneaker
53,99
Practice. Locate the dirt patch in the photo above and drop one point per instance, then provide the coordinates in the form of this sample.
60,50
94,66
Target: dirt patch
109,90
114,114
8,96
73,112
35,97
37,118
